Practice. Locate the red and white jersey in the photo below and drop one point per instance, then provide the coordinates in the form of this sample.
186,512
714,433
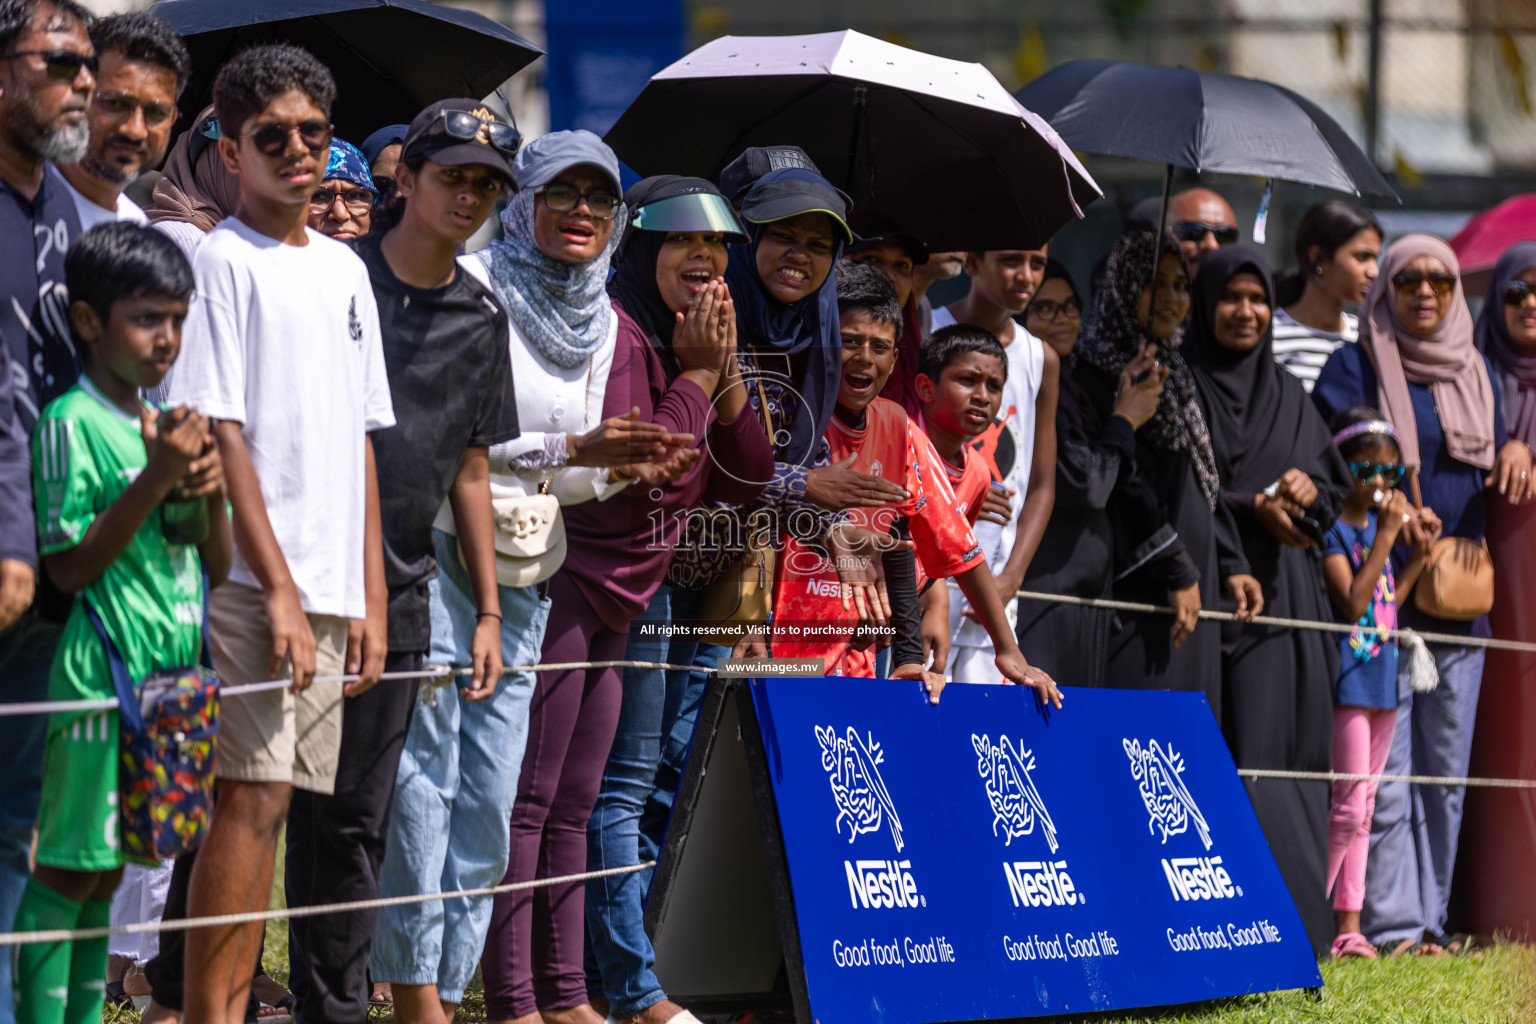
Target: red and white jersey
809,618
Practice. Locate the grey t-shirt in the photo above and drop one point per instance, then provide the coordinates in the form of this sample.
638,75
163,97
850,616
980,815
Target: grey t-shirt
450,378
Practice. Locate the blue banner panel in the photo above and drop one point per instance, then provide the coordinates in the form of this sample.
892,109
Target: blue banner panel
975,860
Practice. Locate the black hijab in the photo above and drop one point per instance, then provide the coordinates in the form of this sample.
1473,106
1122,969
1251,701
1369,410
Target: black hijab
1262,422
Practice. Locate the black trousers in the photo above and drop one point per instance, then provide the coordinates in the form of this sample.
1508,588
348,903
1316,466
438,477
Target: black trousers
335,849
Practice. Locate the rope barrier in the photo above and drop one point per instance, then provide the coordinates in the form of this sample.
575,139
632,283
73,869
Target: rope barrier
288,913
1420,780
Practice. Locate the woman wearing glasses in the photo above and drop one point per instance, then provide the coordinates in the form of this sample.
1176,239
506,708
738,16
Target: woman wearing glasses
1418,364
342,204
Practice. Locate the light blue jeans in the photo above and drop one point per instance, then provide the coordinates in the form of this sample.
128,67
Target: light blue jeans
655,729
26,658
454,790
1415,829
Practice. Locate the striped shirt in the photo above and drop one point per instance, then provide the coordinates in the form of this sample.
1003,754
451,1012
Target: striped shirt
1303,350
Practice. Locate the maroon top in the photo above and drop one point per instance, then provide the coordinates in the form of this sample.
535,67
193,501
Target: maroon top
619,549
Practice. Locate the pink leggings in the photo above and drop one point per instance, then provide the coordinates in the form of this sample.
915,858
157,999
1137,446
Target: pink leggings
1361,739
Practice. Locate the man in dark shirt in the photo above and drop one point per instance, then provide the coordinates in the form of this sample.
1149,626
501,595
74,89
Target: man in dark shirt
46,80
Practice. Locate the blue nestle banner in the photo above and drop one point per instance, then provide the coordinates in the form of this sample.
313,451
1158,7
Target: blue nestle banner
973,860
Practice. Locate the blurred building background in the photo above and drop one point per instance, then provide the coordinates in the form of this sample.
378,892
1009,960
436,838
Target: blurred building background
1442,91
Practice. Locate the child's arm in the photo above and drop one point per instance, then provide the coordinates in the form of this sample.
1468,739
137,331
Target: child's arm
1040,497
470,497
291,635
170,453
368,637
205,479
1352,591
981,590
934,603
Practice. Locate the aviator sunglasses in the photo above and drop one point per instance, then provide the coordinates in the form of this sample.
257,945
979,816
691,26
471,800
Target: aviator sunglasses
1411,280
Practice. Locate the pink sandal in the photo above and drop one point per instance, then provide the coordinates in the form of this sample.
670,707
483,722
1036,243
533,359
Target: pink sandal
1352,946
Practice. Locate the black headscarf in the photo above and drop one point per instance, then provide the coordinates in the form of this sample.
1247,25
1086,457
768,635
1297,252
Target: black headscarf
1262,422
1111,337
634,279
808,327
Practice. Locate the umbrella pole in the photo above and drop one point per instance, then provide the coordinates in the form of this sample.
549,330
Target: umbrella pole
860,115
1157,248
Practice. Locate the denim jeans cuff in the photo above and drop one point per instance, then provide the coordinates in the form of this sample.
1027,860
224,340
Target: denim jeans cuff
623,1011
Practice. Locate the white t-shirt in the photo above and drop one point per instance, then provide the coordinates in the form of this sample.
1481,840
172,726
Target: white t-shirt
284,339
1303,350
91,215
1026,372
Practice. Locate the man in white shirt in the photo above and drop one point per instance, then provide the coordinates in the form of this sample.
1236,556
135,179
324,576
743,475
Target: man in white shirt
1021,446
144,66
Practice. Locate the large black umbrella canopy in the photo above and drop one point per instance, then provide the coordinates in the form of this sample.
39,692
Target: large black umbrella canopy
1203,120
937,144
390,58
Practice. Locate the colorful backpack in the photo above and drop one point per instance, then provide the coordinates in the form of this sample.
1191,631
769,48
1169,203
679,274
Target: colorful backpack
169,724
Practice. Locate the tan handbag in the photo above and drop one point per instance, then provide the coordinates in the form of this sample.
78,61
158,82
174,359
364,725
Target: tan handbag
1457,581
742,599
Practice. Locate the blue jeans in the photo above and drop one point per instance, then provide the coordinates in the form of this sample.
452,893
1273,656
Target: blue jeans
454,790
1415,829
26,658
649,751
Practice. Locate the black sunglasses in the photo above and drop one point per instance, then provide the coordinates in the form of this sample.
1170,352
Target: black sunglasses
461,124
1411,280
1195,230
272,138
61,64
1391,473
1516,292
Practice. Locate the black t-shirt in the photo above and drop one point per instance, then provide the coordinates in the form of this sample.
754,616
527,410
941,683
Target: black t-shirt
450,377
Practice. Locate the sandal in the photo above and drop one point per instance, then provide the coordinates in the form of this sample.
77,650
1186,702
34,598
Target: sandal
117,997
1352,946
1459,944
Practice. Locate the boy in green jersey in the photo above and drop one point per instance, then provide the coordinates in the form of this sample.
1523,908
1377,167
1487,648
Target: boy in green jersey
103,465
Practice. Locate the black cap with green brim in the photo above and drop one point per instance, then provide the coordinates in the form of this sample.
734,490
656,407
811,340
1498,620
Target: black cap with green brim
792,191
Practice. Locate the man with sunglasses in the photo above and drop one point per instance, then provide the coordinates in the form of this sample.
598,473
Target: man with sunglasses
47,68
1203,222
144,66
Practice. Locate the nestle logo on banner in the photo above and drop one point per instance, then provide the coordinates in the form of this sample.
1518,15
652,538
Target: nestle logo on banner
1159,775
824,588
1017,809
863,802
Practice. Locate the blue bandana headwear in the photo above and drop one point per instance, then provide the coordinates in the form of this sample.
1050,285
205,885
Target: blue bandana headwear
348,164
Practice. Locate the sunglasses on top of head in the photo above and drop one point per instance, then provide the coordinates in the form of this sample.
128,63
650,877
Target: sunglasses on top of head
1195,230
1412,280
463,125
1516,292
271,138
61,64
1391,473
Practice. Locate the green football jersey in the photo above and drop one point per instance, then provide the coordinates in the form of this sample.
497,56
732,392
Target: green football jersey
85,453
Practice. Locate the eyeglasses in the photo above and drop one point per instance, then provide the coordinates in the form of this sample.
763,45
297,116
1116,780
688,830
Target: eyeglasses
61,64
463,125
1046,309
1516,292
1411,281
1391,473
1195,230
564,199
272,138
121,105
358,201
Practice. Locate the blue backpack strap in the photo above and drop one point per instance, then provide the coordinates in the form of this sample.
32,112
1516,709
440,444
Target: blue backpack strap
122,684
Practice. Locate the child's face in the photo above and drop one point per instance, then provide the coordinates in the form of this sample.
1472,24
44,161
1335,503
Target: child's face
1375,468
289,175
139,341
869,356
966,397
452,201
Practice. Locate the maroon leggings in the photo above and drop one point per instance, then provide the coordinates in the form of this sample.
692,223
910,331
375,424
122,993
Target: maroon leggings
533,953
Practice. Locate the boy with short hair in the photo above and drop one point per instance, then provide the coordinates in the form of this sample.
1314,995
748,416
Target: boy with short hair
283,350
809,619
103,464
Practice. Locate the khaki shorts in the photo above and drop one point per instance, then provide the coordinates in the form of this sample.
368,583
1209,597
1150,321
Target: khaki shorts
273,735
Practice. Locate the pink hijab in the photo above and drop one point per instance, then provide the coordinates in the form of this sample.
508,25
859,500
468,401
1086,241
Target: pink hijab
1447,361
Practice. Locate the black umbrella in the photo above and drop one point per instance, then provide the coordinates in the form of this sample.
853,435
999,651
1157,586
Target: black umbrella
1203,120
390,58
936,144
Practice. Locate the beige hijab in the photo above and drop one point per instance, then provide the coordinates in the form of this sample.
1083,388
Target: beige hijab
1447,361
202,195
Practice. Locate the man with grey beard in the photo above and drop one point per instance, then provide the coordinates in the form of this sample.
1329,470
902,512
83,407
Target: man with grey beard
47,73
144,66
